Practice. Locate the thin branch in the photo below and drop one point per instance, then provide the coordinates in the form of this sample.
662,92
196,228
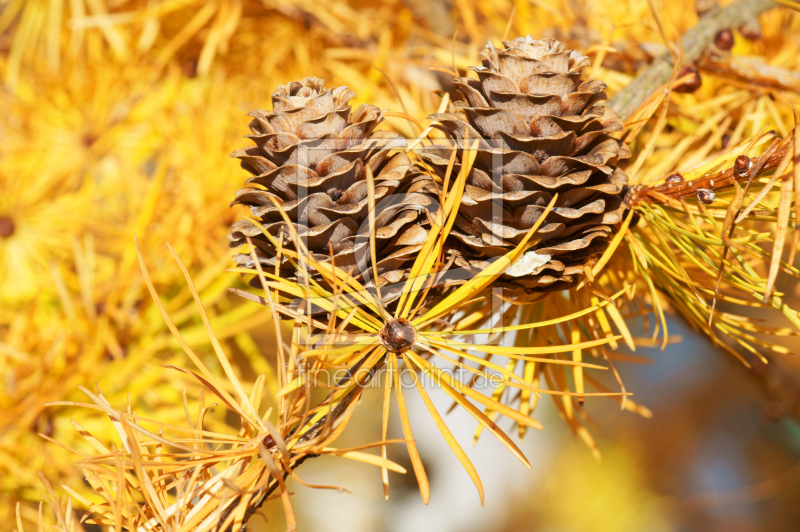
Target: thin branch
694,43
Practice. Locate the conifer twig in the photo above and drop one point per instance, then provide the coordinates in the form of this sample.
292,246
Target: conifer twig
694,42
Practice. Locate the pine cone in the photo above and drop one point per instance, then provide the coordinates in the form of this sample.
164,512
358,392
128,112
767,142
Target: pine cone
311,155
541,132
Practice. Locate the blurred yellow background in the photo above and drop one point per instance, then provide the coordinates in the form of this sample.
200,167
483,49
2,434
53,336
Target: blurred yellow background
118,117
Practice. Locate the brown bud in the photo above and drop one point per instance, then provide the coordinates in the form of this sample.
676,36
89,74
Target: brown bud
189,69
43,425
398,335
723,40
726,139
6,227
742,164
751,30
706,196
674,178
692,83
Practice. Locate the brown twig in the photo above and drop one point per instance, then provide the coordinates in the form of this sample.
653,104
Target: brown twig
753,73
312,432
672,192
262,497
694,43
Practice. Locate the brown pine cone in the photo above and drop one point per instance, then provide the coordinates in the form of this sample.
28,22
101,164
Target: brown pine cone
542,131
311,155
